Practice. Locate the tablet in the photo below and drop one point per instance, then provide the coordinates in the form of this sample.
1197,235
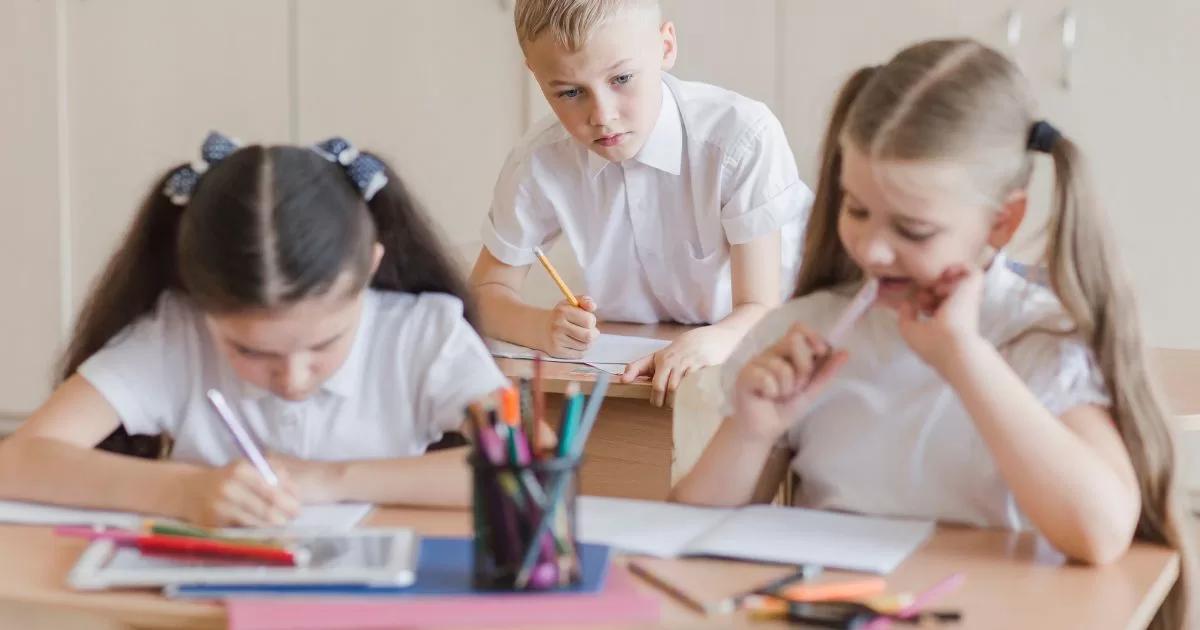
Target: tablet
386,557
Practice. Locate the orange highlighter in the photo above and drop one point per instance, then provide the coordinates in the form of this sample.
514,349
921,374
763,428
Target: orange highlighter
853,590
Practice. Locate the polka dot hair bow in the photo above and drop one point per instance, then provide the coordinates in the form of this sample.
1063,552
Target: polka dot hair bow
183,180
367,173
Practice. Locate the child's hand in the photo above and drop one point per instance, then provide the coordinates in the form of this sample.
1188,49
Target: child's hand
313,481
236,495
571,330
695,349
939,320
776,387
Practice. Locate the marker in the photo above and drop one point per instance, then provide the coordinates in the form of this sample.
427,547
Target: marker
242,438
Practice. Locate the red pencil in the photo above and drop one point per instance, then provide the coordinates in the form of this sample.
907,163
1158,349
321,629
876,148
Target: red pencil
179,545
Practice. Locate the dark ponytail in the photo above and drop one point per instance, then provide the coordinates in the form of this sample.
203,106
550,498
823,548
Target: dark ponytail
128,288
415,259
263,228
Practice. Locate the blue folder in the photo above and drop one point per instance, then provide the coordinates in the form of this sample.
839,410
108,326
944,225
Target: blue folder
444,569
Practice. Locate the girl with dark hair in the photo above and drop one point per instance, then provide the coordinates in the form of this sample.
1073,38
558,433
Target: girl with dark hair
306,286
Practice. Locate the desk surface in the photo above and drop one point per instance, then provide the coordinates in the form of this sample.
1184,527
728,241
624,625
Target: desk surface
1012,582
557,374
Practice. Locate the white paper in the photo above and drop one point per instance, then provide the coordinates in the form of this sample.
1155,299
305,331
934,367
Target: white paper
649,528
606,349
335,516
769,533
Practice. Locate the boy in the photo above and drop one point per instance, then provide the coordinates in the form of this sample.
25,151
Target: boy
681,200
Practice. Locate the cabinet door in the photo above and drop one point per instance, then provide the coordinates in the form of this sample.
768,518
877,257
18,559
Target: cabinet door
436,87
31,249
1131,103
146,82
823,43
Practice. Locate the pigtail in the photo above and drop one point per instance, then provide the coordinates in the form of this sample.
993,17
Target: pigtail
415,257
1085,271
825,261
141,269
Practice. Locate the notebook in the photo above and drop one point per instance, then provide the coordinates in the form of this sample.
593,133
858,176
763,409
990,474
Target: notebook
619,604
762,533
606,350
332,516
443,570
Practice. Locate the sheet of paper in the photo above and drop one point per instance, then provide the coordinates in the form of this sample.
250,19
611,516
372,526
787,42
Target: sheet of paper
649,528
335,516
769,533
606,349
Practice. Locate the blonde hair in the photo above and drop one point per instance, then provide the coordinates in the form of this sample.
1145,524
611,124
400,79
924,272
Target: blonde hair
571,22
962,102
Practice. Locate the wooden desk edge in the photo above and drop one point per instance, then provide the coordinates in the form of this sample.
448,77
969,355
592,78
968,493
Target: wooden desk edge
1144,613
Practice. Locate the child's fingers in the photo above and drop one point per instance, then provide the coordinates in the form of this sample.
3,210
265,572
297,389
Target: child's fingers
578,317
251,504
247,476
579,334
760,381
783,372
587,303
230,514
642,367
658,384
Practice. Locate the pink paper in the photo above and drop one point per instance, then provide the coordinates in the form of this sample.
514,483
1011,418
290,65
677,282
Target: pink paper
619,603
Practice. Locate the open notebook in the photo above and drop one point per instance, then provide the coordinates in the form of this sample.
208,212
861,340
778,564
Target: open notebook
606,350
762,533
328,517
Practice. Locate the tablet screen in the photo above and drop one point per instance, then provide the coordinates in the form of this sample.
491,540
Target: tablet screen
325,552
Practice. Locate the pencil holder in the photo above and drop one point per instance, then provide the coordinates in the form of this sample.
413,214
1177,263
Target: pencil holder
524,517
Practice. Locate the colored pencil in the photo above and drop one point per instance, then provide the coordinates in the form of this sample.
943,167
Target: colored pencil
562,286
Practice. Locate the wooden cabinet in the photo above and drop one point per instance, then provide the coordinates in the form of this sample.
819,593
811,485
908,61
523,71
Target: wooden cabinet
145,82
32,254
100,97
436,87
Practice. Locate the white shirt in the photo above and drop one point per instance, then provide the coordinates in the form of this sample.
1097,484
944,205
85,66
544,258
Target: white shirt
652,234
414,366
890,437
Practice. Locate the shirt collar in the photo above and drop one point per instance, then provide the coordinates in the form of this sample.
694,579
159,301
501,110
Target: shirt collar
344,381
664,148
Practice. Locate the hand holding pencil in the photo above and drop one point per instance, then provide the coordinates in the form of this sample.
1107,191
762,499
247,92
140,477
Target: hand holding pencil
237,495
572,324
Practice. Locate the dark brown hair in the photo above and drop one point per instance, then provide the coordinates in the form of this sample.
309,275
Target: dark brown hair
264,228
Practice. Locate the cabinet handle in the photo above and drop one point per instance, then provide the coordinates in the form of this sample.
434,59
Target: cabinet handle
1069,28
1014,28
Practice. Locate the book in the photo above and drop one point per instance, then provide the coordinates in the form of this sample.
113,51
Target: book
619,603
761,533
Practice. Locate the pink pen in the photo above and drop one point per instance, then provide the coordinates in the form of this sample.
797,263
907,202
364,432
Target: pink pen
859,305
95,533
935,592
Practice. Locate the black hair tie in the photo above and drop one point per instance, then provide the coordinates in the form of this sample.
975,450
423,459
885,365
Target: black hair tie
1042,137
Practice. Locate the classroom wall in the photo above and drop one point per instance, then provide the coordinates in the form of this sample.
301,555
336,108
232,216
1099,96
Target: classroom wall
102,95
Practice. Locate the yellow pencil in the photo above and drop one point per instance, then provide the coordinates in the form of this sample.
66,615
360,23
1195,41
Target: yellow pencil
557,279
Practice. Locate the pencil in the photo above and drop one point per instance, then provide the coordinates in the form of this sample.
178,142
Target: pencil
562,286
668,588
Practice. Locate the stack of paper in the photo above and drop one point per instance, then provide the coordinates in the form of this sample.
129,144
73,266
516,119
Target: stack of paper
328,517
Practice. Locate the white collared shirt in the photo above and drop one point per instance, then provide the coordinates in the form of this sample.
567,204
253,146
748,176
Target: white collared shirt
414,366
652,234
889,437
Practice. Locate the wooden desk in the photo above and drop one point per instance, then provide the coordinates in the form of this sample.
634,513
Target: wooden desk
631,449
1012,582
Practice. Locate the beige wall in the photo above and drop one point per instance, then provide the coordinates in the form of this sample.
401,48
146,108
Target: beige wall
99,96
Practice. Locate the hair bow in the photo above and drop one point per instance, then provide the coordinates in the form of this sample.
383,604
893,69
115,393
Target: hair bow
183,180
367,172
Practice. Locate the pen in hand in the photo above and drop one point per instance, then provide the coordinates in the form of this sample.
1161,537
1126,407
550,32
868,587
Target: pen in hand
245,444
